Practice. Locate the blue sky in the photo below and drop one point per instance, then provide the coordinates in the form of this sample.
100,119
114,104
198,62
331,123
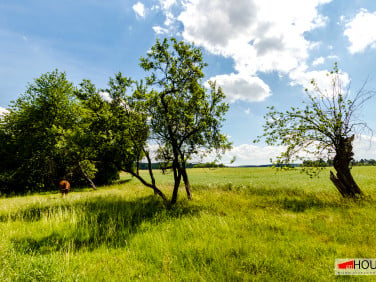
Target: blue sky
262,52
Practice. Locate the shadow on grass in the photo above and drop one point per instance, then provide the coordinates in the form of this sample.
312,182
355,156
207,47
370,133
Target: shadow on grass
321,201
122,181
305,203
291,199
101,222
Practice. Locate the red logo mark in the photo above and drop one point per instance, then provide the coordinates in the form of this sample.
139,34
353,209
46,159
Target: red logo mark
346,265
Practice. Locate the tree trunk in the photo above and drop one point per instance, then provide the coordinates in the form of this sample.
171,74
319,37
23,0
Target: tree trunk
177,179
186,182
343,180
87,178
150,168
152,186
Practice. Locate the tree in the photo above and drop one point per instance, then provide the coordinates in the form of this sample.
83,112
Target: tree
46,136
326,126
116,131
184,118
30,158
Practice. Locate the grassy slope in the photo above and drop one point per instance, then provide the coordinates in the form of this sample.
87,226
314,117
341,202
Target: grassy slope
243,224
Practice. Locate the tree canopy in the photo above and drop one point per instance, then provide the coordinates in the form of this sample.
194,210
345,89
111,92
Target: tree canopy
30,132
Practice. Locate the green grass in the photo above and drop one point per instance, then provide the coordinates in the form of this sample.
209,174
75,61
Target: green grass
243,224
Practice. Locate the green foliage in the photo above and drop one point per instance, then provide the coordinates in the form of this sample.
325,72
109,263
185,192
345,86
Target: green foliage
211,165
182,111
31,157
115,129
185,118
55,131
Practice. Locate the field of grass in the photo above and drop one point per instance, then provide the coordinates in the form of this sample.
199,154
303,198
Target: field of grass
243,224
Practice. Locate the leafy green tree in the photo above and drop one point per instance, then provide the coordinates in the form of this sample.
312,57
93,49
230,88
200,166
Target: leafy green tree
185,118
115,131
326,126
30,157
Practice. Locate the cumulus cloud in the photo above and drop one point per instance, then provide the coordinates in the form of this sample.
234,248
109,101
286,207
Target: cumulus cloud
214,24
139,9
361,32
237,87
260,36
303,77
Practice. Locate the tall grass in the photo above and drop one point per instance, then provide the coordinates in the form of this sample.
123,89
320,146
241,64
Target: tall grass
244,224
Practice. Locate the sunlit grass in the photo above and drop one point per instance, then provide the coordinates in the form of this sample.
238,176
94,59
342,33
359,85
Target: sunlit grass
244,224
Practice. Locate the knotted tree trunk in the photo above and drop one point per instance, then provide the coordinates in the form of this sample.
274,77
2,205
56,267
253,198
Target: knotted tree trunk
343,179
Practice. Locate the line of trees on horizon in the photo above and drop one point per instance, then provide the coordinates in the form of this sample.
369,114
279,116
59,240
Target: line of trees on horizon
330,163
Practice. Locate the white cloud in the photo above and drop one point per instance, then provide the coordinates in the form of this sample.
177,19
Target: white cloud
139,9
341,20
260,36
166,7
333,57
170,19
318,61
245,154
105,95
167,4
364,147
160,30
247,111
237,87
361,32
301,76
3,111
250,154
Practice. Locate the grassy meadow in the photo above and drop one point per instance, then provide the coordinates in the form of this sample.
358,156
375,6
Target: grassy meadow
243,224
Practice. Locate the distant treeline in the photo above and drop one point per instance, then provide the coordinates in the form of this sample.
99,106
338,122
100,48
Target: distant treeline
328,163
144,166
210,165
